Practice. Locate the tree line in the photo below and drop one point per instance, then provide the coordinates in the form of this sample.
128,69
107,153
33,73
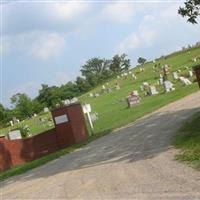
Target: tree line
94,72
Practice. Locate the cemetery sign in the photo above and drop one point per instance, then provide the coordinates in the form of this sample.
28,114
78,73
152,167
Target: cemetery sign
61,119
15,135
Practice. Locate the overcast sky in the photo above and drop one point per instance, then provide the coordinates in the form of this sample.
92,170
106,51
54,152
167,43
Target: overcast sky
48,41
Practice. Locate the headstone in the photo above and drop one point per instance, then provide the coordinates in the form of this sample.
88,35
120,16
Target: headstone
145,84
168,86
161,81
190,73
103,87
141,88
46,109
57,105
91,95
74,100
109,90
133,100
175,75
15,120
67,102
133,76
134,93
185,81
15,135
96,95
118,77
11,123
117,86
152,90
194,59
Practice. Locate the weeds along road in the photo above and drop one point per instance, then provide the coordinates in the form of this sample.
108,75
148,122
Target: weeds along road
134,162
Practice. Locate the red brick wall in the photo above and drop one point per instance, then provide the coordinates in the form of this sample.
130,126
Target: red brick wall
16,152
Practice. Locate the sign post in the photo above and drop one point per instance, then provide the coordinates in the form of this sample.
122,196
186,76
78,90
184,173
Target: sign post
87,110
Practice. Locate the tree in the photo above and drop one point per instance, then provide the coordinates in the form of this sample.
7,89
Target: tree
68,91
95,71
23,105
191,10
119,64
3,115
49,96
82,84
141,60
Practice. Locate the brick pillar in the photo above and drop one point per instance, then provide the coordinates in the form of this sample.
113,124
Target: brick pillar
197,72
5,157
70,125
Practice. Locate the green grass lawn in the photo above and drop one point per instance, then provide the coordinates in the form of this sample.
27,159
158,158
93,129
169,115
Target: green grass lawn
188,141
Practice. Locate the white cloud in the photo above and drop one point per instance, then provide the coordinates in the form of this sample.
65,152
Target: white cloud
67,10
144,37
47,46
41,45
118,12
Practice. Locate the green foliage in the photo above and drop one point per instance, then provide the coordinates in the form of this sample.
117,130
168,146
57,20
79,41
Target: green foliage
23,105
119,64
141,60
191,10
188,140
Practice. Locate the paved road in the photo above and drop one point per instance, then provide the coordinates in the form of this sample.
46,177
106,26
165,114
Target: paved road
135,162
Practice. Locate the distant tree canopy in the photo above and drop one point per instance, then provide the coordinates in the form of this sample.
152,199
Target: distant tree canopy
141,60
191,10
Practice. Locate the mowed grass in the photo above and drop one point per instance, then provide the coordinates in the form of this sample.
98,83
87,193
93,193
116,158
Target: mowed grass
188,141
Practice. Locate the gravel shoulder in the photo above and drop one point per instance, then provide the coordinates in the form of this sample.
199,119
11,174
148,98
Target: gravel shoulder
134,162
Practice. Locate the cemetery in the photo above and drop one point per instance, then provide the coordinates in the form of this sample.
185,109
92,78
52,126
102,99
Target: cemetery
114,103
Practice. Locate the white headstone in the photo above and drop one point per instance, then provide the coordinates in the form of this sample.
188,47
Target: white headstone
185,81
135,92
74,100
91,95
46,109
142,88
161,81
11,123
153,90
190,73
168,86
145,84
175,75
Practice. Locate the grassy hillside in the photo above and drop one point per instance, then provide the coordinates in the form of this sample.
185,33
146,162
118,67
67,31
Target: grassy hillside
112,107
